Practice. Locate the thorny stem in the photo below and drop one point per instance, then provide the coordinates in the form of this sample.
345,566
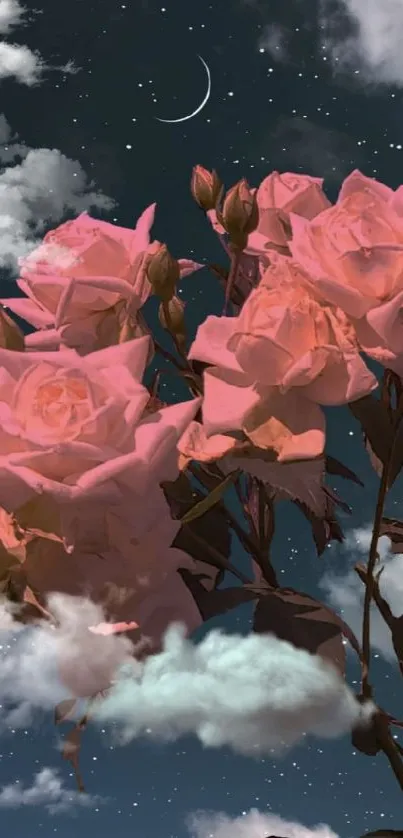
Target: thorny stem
366,688
244,537
235,255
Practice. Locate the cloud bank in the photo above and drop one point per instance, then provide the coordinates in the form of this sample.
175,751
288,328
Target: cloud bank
17,61
253,824
37,189
256,694
47,790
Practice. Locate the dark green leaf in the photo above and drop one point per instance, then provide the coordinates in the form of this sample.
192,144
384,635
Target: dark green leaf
213,603
305,622
337,468
373,417
209,501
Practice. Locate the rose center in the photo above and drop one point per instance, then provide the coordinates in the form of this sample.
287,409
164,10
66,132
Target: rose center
61,403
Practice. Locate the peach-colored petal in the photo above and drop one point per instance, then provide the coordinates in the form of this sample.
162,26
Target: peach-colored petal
386,321
41,341
194,444
188,266
211,343
29,311
288,424
344,380
357,182
228,399
141,238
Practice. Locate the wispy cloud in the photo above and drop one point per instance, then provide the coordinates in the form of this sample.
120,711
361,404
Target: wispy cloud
363,38
303,145
274,41
37,188
360,39
256,694
345,591
47,790
254,824
17,60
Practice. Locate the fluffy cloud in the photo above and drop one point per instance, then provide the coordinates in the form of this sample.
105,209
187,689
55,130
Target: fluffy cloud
37,189
256,694
47,790
17,60
361,39
364,37
34,658
254,824
345,591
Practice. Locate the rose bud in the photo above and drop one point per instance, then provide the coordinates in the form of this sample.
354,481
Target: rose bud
205,187
240,214
11,336
163,273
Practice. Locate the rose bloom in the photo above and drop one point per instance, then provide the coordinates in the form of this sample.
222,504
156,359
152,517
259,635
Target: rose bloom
81,461
83,279
354,254
274,363
277,196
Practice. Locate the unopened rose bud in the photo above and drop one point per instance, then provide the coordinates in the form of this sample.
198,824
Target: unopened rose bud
163,273
205,187
172,318
11,336
240,214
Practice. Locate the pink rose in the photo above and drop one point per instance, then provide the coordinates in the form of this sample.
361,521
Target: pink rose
277,195
288,425
75,437
285,337
83,279
354,255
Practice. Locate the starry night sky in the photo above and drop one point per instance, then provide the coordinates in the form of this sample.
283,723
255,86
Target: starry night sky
287,96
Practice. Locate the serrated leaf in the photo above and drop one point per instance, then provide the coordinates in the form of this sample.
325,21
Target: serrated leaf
306,623
373,417
334,466
393,528
213,603
210,500
181,495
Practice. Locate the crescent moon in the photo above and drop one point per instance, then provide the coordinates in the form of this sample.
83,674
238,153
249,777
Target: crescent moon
202,104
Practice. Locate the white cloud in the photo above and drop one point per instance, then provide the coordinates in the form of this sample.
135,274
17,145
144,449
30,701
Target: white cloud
364,36
17,60
42,665
256,694
254,824
11,15
47,790
345,591
38,189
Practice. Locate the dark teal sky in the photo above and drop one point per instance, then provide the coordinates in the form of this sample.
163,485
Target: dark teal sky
276,103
